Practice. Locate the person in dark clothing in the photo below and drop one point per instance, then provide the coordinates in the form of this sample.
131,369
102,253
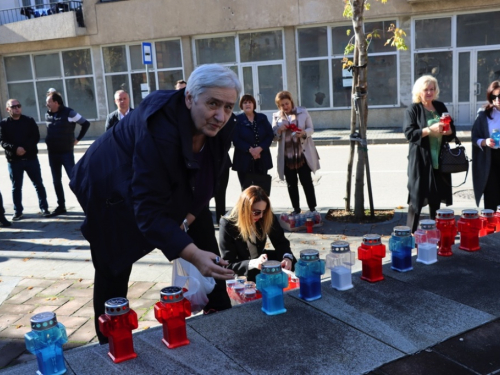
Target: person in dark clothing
122,101
243,235
19,137
61,122
427,185
220,194
3,220
147,183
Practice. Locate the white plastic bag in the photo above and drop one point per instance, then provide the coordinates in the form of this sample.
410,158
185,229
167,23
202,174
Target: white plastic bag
186,275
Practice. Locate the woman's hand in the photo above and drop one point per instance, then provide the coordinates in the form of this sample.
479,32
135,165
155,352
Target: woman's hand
286,264
205,262
490,142
262,259
282,128
255,152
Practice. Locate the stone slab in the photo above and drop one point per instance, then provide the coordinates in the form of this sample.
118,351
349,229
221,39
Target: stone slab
398,314
464,277
303,340
7,284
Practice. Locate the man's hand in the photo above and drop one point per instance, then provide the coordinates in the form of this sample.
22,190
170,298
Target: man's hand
76,142
20,151
205,262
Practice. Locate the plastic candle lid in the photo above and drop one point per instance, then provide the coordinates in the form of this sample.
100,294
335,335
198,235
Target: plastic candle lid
309,255
171,294
117,306
487,213
43,321
372,239
339,247
250,292
427,224
445,213
271,267
470,214
402,231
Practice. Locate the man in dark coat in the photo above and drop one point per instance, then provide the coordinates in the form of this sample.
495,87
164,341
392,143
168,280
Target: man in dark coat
122,101
151,175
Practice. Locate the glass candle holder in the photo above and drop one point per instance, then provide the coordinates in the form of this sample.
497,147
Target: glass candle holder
445,223
309,269
270,282
427,237
340,261
401,244
370,253
469,226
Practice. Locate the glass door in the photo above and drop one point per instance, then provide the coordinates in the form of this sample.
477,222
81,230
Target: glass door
263,81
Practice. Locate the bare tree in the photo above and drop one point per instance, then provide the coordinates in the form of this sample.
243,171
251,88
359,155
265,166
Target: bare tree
354,9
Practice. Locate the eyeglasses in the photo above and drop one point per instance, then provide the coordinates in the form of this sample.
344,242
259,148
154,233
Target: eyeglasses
257,212
15,106
493,97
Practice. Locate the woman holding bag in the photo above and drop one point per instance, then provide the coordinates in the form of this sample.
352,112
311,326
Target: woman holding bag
423,129
252,138
297,154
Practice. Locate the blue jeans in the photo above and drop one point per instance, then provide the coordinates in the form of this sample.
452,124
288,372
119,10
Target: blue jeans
32,168
57,161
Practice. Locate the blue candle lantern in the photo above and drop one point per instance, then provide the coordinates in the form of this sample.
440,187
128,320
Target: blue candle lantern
45,341
400,244
427,238
309,269
340,261
270,282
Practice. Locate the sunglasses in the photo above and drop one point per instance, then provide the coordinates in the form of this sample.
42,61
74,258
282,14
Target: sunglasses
493,97
258,212
15,106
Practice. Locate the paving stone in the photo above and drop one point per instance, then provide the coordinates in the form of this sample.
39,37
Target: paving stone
7,320
41,283
147,324
142,303
71,322
11,349
149,315
10,309
15,333
77,292
72,306
85,312
24,295
53,301
85,333
138,289
56,288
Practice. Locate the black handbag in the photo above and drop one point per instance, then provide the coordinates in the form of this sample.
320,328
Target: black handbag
454,160
259,179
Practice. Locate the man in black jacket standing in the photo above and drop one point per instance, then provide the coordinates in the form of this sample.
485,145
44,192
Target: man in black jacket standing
19,137
60,140
122,101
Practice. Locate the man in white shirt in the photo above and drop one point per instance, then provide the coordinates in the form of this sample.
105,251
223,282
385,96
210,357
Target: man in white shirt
122,101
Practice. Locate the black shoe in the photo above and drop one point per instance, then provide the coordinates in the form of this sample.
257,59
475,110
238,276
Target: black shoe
295,212
59,210
4,222
46,213
17,216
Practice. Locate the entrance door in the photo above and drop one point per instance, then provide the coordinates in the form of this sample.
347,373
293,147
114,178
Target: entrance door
477,68
263,81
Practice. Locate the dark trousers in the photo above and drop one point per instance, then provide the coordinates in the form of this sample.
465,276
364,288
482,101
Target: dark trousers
492,188
107,285
413,218
220,195
57,161
2,210
304,174
32,169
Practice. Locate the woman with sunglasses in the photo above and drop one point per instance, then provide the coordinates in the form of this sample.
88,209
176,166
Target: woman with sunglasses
485,155
243,234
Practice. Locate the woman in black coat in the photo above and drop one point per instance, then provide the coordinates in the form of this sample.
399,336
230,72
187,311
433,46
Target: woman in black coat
243,235
424,131
485,157
252,138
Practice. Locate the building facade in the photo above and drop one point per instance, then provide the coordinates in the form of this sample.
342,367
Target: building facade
271,45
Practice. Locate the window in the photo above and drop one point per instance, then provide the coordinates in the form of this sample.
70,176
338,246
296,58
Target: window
69,72
124,70
322,81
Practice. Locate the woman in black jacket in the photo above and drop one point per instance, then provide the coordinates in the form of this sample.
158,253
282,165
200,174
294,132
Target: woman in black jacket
252,138
243,235
427,185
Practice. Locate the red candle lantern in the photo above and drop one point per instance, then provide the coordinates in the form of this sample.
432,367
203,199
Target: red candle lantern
497,216
370,253
117,325
488,222
171,311
469,226
445,222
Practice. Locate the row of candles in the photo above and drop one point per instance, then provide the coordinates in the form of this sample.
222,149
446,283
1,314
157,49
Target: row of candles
433,237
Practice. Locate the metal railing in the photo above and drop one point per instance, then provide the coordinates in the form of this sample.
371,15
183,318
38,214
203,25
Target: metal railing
43,10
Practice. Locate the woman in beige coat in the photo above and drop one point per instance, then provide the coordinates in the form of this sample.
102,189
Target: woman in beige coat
297,154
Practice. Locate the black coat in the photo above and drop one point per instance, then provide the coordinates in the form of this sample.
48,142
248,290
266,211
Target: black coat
135,183
421,183
19,133
481,159
244,138
113,119
235,250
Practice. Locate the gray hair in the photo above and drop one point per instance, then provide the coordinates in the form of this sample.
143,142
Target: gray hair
212,75
420,85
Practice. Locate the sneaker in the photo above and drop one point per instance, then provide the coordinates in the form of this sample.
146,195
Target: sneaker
46,213
4,222
17,216
59,210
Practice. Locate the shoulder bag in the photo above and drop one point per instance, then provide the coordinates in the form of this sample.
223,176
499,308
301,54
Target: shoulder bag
454,160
